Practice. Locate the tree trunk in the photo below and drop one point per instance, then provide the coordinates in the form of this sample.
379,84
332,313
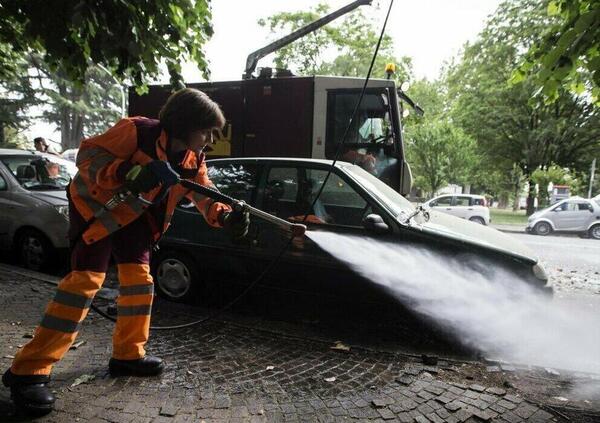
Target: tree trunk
530,197
517,196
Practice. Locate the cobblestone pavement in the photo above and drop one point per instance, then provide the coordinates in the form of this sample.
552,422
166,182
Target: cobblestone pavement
228,370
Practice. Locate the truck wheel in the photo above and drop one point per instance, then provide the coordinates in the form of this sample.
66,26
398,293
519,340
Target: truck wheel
176,277
34,250
595,232
477,219
542,228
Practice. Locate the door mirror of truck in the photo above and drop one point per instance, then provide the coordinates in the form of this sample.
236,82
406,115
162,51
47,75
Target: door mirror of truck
406,179
374,223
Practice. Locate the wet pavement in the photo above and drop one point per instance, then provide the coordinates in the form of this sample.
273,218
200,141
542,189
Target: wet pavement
242,367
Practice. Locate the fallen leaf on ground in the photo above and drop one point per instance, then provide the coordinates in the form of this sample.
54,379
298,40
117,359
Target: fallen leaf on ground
340,346
77,345
83,379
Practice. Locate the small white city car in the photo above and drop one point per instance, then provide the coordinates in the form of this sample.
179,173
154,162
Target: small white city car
466,206
575,215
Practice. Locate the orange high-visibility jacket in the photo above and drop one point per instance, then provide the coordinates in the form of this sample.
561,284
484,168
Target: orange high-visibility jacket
104,160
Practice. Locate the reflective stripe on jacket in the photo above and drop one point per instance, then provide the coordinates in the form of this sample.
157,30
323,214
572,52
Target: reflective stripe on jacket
104,160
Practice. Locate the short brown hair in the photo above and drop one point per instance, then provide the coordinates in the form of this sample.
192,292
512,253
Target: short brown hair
189,110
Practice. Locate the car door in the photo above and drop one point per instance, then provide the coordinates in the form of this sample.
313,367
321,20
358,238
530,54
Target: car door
443,204
6,210
289,191
461,206
566,215
585,216
214,251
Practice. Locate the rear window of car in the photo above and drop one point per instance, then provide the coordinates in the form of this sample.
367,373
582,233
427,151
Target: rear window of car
478,201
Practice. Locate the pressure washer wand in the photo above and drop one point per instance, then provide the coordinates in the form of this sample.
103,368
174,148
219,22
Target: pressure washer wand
296,229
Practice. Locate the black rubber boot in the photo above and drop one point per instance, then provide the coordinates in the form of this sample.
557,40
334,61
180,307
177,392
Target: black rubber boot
146,366
30,393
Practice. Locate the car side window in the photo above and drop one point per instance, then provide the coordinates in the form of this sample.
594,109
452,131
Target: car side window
444,201
290,193
584,207
462,201
339,203
476,201
571,207
281,192
238,180
3,184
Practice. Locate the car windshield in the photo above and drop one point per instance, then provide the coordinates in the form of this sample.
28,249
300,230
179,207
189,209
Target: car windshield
384,193
40,172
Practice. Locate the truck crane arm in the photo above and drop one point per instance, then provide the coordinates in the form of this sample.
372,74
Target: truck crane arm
255,56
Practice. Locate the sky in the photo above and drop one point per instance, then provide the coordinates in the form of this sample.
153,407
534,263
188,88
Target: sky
429,31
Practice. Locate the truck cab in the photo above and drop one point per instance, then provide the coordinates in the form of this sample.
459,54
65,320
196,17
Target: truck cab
303,117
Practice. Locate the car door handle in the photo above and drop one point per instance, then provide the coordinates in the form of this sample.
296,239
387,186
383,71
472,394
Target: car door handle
470,208
448,208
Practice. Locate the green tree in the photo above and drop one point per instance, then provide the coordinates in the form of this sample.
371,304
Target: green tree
352,38
131,38
568,53
439,153
511,125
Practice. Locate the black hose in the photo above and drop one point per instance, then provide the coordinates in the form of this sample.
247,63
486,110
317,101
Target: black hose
226,199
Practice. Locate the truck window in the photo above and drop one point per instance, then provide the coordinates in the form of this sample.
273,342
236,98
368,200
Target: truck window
370,142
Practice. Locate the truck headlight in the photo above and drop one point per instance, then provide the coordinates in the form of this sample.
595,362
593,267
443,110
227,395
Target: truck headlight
63,210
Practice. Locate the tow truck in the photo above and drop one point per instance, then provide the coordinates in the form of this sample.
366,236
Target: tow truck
276,114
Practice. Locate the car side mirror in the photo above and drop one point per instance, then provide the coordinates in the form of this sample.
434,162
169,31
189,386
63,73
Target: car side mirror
374,222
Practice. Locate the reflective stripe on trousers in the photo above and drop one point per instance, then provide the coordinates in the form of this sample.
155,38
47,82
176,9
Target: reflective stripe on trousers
62,320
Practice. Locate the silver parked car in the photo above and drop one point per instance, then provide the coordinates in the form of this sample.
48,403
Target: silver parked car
575,214
34,213
466,206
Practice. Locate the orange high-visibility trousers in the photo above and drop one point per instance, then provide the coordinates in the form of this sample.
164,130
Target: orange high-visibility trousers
62,319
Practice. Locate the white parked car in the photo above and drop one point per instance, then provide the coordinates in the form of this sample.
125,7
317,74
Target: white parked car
467,206
575,214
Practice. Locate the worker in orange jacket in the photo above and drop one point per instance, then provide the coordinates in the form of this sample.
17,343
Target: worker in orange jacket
142,156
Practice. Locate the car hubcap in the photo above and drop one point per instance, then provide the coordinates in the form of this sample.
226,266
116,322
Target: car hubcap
543,228
596,232
173,278
33,252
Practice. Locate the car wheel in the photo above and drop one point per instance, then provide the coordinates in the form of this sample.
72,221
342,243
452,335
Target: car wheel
542,228
477,219
34,250
595,232
176,277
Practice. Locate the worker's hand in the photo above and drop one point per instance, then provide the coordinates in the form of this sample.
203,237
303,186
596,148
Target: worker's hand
145,178
236,223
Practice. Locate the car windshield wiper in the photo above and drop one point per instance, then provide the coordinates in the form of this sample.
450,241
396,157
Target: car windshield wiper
418,209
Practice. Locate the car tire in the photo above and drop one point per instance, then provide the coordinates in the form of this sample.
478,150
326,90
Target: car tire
176,277
542,228
34,250
594,232
477,219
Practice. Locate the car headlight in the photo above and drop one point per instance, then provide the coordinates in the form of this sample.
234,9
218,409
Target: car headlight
63,210
540,273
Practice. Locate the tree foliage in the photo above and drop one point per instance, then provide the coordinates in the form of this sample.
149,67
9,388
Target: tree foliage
511,124
131,38
350,39
568,53
439,153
